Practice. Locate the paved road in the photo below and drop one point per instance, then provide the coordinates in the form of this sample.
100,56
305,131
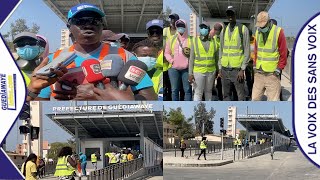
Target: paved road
286,165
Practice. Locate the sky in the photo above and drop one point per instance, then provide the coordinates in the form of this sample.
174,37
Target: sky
283,109
292,13
51,131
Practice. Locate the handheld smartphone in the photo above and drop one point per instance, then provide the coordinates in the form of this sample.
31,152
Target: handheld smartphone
65,58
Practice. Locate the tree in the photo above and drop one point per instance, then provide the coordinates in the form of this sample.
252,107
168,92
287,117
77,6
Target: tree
19,26
242,134
202,115
166,22
184,126
56,147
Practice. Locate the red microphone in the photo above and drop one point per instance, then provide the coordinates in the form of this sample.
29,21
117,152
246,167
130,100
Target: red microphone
92,71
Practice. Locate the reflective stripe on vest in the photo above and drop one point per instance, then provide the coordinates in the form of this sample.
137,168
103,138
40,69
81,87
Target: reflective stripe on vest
105,50
124,158
62,169
204,61
93,158
26,78
268,53
203,145
232,54
174,41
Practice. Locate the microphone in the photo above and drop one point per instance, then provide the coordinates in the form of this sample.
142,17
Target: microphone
92,71
132,73
111,66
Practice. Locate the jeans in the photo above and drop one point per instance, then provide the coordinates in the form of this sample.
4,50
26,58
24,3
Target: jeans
83,168
203,84
229,78
176,76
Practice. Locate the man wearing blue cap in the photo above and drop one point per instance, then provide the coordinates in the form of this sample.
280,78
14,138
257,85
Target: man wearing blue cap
86,25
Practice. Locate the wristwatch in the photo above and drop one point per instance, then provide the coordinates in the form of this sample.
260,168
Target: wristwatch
32,94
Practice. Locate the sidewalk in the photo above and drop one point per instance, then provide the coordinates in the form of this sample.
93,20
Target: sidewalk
213,159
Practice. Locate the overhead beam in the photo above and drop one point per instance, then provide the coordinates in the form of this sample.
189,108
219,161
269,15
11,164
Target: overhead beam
191,7
124,125
122,12
110,125
160,14
155,121
56,10
206,5
135,119
217,4
239,15
142,11
97,127
130,15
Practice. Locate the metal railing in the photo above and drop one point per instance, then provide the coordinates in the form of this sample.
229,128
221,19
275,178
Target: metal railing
117,171
50,168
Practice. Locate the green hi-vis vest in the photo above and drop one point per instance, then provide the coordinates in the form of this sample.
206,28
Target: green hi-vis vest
124,158
232,53
204,61
174,41
112,158
26,78
203,145
268,53
62,168
93,158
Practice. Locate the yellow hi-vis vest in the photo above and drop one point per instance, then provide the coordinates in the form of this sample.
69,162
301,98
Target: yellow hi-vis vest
112,158
204,61
203,145
93,158
232,52
62,168
26,78
174,41
123,158
157,77
268,53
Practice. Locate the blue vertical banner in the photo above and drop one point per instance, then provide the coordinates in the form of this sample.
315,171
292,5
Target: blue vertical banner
12,93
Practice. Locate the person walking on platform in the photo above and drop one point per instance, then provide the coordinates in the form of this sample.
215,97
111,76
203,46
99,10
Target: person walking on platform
94,160
83,161
203,147
183,147
66,164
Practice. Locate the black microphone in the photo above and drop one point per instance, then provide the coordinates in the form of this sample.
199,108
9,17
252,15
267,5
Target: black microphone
111,66
132,73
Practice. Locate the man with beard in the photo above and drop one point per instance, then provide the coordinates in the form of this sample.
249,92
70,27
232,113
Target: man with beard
85,24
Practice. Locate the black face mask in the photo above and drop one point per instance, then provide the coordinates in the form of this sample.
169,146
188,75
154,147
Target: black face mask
28,66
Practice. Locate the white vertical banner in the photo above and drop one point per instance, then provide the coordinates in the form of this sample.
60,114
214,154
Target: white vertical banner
306,91
12,90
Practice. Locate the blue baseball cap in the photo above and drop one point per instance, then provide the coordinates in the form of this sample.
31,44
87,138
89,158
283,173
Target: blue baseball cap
155,22
84,7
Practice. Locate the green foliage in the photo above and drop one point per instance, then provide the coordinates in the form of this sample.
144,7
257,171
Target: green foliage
19,26
184,126
242,134
201,114
166,21
56,147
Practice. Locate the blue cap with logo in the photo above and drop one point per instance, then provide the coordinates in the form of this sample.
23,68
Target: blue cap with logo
155,22
84,7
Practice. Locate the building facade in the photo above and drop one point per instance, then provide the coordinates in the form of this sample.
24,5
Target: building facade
193,24
65,39
232,124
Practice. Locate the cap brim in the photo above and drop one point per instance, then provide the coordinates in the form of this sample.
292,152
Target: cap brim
24,36
230,10
88,9
261,24
155,26
115,37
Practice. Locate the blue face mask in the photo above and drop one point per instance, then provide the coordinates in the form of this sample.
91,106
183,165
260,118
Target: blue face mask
149,61
264,30
181,30
29,52
204,31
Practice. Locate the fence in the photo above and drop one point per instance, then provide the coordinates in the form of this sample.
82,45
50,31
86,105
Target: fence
117,171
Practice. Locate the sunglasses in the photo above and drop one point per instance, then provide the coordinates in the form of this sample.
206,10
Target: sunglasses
154,31
86,21
24,43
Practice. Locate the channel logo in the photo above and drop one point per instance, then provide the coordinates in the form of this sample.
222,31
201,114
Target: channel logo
8,91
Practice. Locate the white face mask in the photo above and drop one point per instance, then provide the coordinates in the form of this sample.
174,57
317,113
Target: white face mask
149,61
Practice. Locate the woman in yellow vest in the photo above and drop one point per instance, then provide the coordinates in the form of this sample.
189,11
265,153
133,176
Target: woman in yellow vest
29,167
66,164
203,63
203,148
177,53
94,160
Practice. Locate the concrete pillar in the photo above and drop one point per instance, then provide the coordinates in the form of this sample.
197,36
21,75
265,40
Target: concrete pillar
76,136
142,134
256,15
200,13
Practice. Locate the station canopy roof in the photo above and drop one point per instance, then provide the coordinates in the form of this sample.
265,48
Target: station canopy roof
217,8
109,124
128,16
263,123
